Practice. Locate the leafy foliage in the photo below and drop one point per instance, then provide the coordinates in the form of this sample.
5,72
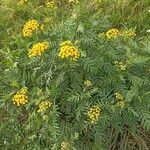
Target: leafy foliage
74,87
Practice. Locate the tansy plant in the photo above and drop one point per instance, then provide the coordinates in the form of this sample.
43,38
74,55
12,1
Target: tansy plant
72,77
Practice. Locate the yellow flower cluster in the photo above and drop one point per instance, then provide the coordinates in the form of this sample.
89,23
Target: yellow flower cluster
51,4
118,96
20,98
128,33
64,146
87,83
68,50
38,49
121,65
120,100
94,113
43,106
30,27
120,104
112,33
101,34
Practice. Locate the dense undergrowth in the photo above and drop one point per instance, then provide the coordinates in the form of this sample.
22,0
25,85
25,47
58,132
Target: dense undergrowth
75,75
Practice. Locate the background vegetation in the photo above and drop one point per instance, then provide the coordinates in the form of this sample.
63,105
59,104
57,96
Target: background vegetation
106,67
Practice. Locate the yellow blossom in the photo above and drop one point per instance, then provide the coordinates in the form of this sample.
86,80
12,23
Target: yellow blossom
112,33
44,105
118,96
120,100
30,27
94,113
20,98
51,4
128,33
121,65
64,146
38,49
87,83
101,34
68,50
120,104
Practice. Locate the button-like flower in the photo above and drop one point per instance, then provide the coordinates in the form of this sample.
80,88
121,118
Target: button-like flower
118,96
30,27
120,100
94,114
68,50
112,33
121,65
128,33
51,4
87,83
38,49
20,98
120,104
64,146
44,105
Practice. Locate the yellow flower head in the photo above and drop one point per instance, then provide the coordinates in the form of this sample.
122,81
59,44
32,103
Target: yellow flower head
38,49
64,146
68,50
20,98
51,4
121,65
101,34
43,106
87,83
94,114
112,33
120,104
128,33
118,96
30,27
